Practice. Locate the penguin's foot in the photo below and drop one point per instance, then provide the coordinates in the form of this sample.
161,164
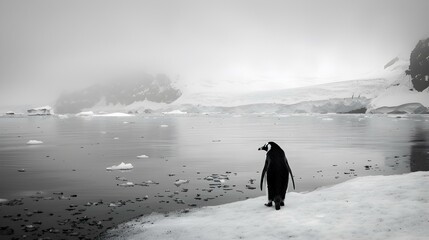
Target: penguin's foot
278,205
282,203
269,204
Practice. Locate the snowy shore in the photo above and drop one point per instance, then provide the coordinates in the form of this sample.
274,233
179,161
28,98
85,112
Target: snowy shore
372,207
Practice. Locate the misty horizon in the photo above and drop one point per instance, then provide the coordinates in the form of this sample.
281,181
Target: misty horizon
51,47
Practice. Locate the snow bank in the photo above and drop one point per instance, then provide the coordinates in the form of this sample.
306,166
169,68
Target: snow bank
34,142
372,207
122,166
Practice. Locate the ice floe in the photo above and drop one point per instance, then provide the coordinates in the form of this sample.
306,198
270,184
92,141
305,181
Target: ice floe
121,166
371,207
180,182
142,156
34,142
127,184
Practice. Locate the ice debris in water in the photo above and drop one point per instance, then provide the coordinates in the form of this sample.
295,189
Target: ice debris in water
164,126
127,184
122,166
34,142
180,182
121,179
142,156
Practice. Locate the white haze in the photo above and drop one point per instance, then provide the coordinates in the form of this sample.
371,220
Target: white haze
47,47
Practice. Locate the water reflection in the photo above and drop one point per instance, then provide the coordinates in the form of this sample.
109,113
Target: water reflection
419,157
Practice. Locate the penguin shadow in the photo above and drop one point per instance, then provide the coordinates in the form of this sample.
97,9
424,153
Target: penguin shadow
277,169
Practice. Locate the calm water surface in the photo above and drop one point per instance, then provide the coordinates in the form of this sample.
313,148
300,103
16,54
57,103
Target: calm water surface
322,150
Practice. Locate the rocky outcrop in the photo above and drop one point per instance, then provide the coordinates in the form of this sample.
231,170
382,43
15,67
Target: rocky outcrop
419,65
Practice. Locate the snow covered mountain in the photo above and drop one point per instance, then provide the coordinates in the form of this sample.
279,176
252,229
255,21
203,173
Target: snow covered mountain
146,88
389,90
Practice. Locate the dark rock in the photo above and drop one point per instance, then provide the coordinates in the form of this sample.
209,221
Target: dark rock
6,230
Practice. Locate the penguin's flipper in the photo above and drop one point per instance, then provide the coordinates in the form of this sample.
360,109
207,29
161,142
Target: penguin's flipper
267,162
290,172
262,177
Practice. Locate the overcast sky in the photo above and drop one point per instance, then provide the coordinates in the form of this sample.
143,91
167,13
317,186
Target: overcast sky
47,46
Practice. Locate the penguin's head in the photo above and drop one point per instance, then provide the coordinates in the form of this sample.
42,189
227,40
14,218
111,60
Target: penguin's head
266,147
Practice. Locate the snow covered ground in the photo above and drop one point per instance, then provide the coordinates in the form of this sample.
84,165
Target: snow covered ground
372,207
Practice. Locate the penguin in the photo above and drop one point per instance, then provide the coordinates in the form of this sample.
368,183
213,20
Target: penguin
277,169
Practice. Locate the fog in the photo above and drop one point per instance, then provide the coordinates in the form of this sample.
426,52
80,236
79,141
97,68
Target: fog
47,47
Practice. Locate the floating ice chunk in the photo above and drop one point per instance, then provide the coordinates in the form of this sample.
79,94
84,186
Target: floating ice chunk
180,182
121,179
150,182
34,142
163,125
62,197
115,138
127,184
175,112
40,111
2,200
327,119
142,156
62,116
122,166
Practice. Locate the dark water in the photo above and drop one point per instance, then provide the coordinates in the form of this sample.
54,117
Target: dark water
322,150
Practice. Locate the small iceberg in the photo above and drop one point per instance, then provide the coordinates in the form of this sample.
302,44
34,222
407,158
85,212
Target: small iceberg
142,156
127,184
34,142
41,111
164,125
180,182
122,166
